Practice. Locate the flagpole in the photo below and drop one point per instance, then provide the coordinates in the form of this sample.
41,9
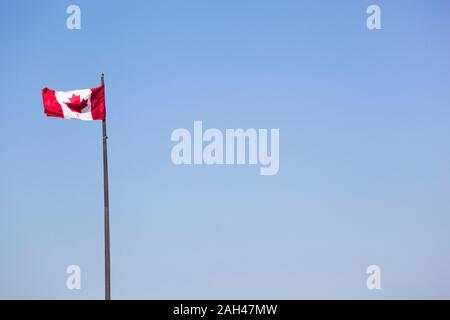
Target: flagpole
106,210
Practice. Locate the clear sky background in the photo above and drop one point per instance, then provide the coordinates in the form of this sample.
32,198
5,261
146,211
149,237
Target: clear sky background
364,119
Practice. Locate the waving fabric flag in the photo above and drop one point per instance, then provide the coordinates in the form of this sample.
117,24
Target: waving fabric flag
85,104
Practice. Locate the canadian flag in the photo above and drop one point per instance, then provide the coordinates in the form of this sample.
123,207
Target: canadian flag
85,104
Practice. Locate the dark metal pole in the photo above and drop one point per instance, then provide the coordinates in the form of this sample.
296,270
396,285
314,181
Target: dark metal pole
106,213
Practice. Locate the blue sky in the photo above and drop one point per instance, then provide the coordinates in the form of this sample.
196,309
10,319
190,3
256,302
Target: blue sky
364,158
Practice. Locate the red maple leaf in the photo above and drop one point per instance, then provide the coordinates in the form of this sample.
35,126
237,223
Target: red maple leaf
75,104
